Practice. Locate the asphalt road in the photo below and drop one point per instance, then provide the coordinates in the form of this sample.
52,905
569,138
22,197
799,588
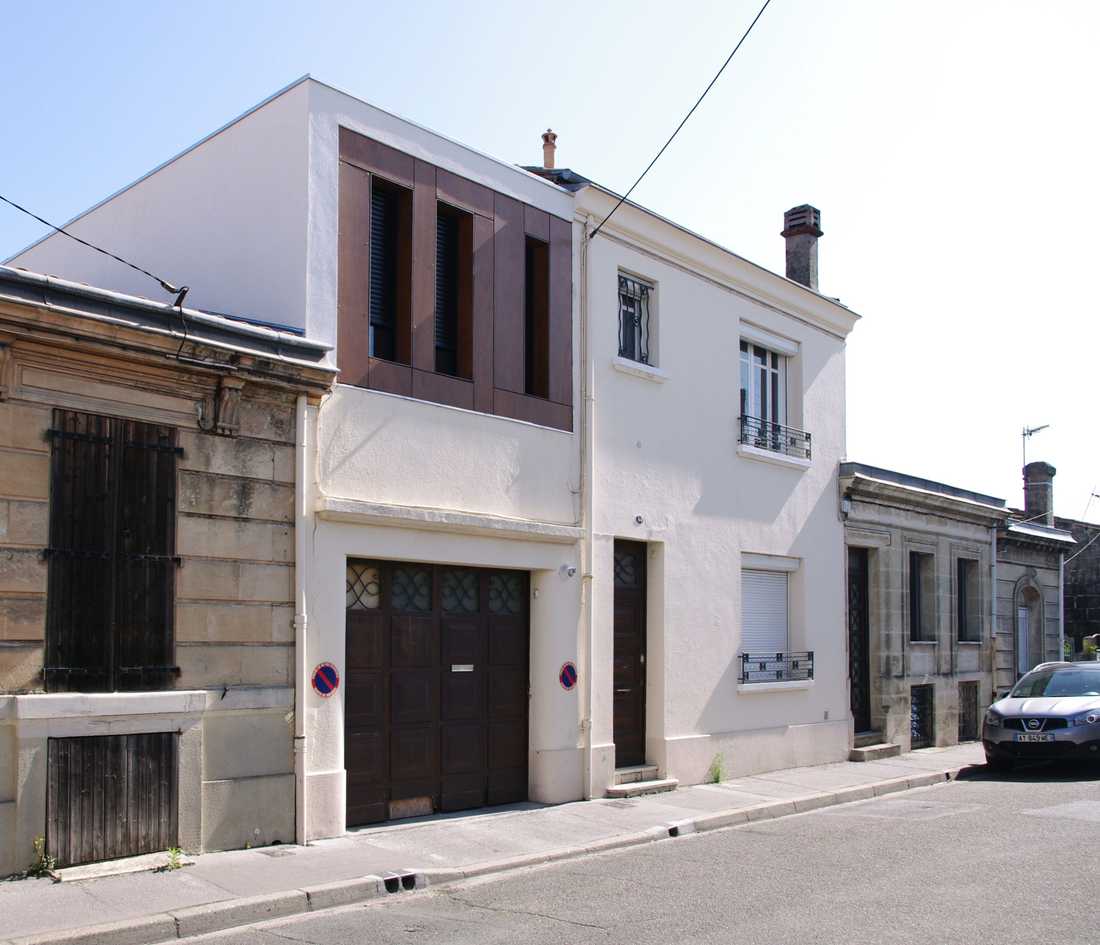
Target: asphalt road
1005,859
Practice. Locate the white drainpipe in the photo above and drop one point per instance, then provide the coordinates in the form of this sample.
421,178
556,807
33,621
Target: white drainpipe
588,476
303,472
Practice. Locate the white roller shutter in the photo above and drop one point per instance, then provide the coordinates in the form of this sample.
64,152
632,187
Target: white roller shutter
763,612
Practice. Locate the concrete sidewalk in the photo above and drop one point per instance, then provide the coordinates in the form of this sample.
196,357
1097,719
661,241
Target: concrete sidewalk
223,890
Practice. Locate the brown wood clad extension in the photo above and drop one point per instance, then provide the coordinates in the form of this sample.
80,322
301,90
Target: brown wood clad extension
353,319
508,249
423,268
490,355
561,311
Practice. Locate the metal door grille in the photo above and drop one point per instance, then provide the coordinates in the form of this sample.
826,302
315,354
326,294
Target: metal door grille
968,711
921,722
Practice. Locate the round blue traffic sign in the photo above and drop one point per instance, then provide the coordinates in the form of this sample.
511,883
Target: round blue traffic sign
326,680
567,675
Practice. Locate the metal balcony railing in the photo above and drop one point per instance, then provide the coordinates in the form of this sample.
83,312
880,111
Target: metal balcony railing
766,435
776,667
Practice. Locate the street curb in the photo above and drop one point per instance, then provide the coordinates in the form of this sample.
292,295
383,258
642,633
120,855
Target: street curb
228,914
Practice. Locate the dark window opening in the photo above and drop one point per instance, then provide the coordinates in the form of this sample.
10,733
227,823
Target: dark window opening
112,566
536,336
922,597
453,292
634,296
390,273
969,619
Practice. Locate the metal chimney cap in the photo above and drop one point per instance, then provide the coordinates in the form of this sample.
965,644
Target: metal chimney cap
802,219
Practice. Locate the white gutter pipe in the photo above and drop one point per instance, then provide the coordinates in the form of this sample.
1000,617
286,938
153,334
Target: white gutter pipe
588,488
303,473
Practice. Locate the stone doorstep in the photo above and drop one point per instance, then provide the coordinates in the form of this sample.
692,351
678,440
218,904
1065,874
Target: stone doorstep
638,788
865,739
632,773
222,915
146,862
874,752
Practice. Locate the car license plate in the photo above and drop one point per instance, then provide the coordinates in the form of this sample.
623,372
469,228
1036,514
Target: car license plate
1034,737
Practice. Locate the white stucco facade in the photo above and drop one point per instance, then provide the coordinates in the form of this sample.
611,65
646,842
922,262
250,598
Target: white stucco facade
669,472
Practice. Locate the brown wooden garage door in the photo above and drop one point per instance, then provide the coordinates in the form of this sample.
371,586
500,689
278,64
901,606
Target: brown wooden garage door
435,707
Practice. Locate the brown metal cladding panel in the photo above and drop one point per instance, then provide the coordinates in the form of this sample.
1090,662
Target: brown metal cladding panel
443,389
509,246
414,756
508,744
561,311
536,223
532,409
353,296
376,157
423,267
483,313
390,377
464,193
463,748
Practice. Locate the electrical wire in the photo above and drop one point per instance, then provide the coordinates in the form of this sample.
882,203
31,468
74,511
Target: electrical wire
164,284
698,102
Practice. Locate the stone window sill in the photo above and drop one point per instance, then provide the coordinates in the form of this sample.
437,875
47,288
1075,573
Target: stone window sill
788,686
770,456
637,369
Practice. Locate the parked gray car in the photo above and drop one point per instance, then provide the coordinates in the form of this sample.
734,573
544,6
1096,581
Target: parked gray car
1052,712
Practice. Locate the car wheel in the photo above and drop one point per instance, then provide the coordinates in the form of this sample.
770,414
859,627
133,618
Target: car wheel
999,762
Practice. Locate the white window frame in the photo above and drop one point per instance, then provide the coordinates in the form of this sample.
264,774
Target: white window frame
763,382
645,332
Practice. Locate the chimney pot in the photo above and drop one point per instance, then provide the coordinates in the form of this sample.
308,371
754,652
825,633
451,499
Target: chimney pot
548,149
1039,491
801,230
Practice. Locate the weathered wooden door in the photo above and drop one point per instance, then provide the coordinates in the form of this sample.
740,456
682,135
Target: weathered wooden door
859,639
110,796
630,653
436,689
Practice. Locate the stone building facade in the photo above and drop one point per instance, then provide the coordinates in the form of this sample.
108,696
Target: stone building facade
920,606
1030,553
147,546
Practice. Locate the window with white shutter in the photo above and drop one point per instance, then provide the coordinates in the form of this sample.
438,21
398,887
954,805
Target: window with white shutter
763,611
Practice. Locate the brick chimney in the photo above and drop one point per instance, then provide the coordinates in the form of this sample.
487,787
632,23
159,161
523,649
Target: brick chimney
1039,492
801,229
548,149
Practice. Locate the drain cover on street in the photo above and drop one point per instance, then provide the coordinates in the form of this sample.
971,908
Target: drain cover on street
277,851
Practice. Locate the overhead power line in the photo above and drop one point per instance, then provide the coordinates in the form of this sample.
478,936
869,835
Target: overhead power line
178,291
698,102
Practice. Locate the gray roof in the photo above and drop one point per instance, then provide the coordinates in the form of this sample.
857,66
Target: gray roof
103,305
916,482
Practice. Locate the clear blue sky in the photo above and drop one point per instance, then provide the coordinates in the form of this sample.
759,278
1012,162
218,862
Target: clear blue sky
950,146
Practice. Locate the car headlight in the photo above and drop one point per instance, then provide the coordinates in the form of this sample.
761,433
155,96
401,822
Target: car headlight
992,719
1089,718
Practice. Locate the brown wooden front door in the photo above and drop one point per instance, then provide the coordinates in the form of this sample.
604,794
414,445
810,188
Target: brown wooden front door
437,687
629,661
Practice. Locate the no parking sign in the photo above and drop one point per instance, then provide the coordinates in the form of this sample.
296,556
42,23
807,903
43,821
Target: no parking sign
567,675
326,680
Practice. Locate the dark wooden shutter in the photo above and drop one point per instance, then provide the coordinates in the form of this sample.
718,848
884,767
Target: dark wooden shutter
110,599
383,270
446,292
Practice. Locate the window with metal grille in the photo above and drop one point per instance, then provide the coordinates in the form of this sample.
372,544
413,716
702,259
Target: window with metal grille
922,732
922,597
969,709
390,226
536,335
110,592
968,602
635,297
